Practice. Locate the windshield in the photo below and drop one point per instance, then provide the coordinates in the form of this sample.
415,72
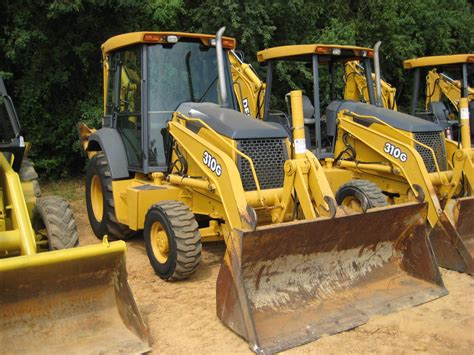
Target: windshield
182,72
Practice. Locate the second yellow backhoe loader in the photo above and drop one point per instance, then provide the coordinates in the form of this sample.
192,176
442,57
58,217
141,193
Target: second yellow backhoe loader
175,159
444,98
448,102
55,300
407,158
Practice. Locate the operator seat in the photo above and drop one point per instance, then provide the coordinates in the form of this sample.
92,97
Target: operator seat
308,111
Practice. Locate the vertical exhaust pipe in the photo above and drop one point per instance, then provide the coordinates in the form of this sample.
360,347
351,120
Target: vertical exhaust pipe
220,68
378,86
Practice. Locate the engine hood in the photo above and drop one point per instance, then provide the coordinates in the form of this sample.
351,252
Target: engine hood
395,119
231,123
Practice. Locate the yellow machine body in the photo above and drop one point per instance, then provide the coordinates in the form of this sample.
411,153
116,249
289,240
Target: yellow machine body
296,265
64,301
409,180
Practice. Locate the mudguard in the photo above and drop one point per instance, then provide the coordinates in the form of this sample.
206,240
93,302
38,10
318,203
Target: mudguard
109,141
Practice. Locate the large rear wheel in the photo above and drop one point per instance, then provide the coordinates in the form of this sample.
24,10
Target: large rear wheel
100,201
360,195
29,174
172,240
54,224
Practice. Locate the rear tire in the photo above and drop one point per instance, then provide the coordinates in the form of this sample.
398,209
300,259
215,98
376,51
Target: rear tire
172,240
53,221
29,174
360,195
100,201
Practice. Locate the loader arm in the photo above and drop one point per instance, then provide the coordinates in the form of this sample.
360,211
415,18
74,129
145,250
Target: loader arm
304,179
22,236
412,169
228,186
355,87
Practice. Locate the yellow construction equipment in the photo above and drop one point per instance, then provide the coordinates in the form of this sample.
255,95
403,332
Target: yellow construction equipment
448,102
51,300
406,157
183,165
248,88
355,86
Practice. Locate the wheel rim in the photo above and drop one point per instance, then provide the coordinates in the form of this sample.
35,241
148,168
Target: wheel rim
159,242
97,199
353,203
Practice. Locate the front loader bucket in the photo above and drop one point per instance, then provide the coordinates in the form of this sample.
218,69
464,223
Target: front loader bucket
453,236
74,301
286,285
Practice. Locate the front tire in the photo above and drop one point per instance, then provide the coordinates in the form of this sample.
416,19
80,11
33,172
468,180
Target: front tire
360,195
172,240
53,221
100,201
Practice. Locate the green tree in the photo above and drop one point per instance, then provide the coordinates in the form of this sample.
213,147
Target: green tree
50,50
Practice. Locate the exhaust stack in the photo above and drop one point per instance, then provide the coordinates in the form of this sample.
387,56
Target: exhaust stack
378,85
220,68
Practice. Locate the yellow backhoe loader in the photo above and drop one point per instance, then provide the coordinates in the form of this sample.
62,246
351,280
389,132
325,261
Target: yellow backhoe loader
448,102
183,165
406,157
52,299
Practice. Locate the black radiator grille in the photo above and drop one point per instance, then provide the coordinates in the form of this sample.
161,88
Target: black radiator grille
434,140
268,156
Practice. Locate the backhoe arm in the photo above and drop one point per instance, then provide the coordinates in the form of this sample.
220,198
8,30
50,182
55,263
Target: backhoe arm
355,87
248,88
440,85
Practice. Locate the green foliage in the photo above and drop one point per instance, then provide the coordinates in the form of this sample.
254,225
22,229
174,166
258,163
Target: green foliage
52,48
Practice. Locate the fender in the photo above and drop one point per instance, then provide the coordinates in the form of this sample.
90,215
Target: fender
109,141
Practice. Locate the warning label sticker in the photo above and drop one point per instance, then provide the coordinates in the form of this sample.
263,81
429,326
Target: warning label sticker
300,146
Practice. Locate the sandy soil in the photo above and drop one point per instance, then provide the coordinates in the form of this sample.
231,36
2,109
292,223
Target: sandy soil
181,316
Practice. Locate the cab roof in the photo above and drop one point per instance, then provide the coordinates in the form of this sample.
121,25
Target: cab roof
438,60
129,39
305,51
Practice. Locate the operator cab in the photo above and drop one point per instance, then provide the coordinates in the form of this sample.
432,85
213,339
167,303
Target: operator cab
147,76
12,144
448,78
314,68
318,70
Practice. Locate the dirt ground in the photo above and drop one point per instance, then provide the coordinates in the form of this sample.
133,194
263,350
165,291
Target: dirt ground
182,319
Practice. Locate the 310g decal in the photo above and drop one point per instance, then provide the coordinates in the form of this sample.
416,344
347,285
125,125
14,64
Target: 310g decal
395,152
211,163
